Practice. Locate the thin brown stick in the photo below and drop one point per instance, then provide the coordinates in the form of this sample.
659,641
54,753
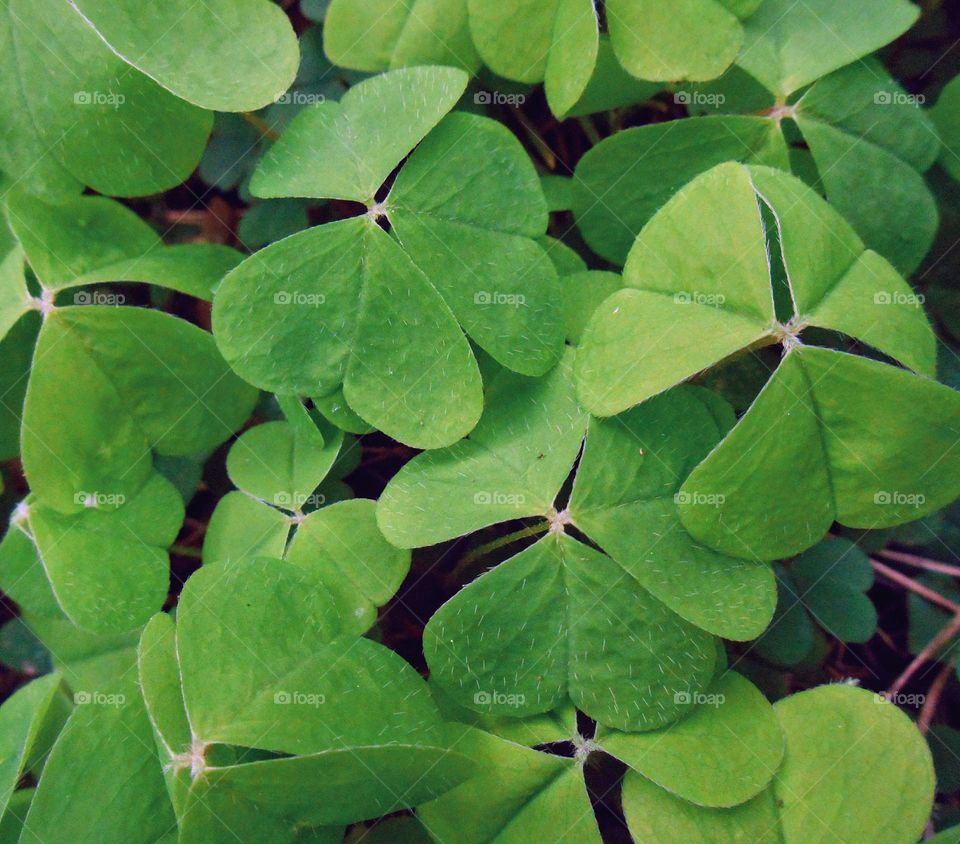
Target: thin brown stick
919,562
934,645
913,586
933,697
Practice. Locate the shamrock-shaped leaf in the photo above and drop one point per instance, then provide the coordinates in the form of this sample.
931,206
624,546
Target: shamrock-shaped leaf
867,140
87,118
724,752
818,406
513,466
96,787
328,708
347,304
789,45
397,33
199,51
108,568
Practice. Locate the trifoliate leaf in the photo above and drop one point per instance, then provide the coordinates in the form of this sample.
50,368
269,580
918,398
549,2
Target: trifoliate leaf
242,526
626,178
356,717
790,45
394,33
846,747
817,419
109,568
722,754
223,55
89,422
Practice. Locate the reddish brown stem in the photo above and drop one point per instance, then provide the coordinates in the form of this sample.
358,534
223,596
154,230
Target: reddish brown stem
913,586
919,562
928,653
933,697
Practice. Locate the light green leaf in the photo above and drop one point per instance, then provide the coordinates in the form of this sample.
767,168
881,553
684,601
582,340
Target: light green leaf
109,568
396,33
223,55
343,303
514,38
624,180
97,786
29,720
515,795
656,815
583,293
625,498
611,86
847,746
512,466
789,45
582,628
347,150
573,54
15,299
818,419
342,545
687,39
115,383
474,244
722,754
242,526
87,117
678,284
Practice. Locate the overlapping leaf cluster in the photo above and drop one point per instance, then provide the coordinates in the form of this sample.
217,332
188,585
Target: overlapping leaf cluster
647,521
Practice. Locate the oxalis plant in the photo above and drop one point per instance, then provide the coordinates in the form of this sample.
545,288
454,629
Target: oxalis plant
479,421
